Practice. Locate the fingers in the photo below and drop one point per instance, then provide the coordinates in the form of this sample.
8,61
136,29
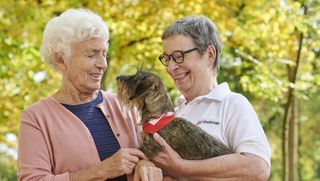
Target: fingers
132,155
159,139
123,161
144,174
160,159
151,174
137,153
165,146
146,171
168,178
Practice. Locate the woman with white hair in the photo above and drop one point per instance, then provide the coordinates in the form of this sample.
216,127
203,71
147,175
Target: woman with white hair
80,132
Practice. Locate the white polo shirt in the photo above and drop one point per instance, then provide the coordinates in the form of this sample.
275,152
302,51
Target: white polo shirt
230,118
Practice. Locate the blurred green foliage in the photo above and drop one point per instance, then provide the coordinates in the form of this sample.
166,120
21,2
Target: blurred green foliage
260,48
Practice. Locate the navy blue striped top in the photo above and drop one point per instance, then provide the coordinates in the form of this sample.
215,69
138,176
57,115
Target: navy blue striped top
99,128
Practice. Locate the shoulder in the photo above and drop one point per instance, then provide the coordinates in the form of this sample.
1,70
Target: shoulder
115,107
237,104
38,111
39,106
114,102
109,94
111,97
236,99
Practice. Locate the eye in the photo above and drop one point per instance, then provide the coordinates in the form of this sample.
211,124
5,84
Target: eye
104,53
90,55
177,54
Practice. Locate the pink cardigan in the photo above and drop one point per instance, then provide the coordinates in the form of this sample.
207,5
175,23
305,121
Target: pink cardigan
54,142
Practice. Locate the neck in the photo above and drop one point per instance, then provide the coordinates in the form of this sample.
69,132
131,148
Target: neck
156,105
194,93
73,96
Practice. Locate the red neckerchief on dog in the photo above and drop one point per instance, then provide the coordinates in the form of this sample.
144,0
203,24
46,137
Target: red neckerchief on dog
157,123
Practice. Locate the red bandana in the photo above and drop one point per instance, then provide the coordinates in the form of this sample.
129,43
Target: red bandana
157,123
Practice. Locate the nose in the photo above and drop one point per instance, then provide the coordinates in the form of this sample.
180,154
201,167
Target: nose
101,63
172,65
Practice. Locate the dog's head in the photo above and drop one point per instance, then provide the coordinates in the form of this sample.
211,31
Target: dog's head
133,90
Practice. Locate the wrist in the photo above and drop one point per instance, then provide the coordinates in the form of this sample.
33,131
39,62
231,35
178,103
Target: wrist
183,168
103,171
145,163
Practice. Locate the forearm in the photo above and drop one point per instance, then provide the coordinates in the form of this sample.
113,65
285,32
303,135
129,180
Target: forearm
96,173
227,167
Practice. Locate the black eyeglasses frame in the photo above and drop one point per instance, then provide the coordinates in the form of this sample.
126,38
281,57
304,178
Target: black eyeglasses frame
166,63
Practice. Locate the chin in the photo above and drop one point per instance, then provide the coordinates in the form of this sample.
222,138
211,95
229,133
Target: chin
182,90
93,89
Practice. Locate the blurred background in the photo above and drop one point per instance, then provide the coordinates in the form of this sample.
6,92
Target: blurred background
271,53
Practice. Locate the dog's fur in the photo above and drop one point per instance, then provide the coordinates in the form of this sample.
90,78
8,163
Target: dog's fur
146,91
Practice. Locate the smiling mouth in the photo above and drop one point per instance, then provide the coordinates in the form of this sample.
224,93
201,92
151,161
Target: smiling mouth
180,76
96,76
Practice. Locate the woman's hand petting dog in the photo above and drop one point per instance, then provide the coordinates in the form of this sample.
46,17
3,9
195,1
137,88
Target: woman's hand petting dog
168,159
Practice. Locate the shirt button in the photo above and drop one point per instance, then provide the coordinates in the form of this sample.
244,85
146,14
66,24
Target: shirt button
118,134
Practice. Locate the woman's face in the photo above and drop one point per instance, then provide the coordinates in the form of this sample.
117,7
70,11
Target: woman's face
86,65
195,76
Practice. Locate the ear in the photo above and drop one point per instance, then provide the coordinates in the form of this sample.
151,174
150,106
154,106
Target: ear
60,61
141,89
211,54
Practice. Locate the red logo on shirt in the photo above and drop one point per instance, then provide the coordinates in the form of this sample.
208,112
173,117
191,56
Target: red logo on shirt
207,122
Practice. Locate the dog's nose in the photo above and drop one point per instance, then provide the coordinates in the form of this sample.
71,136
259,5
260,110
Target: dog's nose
120,77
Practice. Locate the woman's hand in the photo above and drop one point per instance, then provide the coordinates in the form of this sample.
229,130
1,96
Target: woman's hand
167,159
147,171
123,162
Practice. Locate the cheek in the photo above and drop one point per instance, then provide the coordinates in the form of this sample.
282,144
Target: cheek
167,70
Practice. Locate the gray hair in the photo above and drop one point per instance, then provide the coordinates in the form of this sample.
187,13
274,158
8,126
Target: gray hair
72,26
202,31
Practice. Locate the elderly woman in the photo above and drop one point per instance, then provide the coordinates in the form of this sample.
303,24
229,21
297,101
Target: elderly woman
191,49
80,132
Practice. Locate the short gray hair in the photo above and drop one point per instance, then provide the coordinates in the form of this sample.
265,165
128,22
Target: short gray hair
202,31
72,26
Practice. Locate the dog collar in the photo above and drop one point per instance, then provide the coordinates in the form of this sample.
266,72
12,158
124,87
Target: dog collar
157,123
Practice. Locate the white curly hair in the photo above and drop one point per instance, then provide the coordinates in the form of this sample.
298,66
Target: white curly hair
72,26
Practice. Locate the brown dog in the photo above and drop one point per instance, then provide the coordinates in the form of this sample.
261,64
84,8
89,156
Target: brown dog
146,91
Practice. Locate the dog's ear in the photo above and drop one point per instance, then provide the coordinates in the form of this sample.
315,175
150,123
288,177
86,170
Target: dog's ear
141,89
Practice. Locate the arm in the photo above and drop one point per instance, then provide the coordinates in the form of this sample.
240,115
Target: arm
123,162
243,166
36,162
33,157
228,167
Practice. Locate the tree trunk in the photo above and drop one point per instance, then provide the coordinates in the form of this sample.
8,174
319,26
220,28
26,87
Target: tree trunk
290,134
290,131
293,142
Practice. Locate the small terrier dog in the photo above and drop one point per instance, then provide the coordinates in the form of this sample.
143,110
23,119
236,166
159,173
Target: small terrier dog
147,93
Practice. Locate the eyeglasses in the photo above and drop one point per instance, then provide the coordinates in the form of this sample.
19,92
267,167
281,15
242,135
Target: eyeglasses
177,56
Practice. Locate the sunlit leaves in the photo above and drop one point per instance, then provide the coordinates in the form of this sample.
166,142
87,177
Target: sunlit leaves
260,41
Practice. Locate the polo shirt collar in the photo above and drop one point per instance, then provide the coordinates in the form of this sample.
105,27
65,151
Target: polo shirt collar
218,93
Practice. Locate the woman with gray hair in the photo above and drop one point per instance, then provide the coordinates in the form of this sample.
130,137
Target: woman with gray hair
191,49
80,132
